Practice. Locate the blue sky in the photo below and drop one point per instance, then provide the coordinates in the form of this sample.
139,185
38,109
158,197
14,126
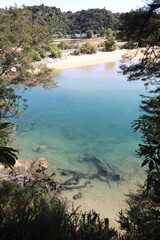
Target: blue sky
75,5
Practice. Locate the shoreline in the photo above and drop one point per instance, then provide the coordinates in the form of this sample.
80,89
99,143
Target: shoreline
70,61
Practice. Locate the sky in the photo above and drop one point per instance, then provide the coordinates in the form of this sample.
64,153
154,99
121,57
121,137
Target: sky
76,5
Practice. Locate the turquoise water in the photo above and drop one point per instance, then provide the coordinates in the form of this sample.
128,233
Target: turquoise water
90,111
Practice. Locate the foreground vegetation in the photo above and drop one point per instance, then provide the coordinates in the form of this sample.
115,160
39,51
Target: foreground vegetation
31,212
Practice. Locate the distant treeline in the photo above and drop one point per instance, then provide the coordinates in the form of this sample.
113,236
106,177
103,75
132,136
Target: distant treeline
125,26
78,22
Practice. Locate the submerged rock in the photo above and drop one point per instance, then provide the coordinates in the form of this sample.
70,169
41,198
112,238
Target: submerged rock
40,148
77,196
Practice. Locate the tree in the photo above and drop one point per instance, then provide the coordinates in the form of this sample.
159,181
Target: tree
141,219
149,149
109,33
20,35
147,70
109,44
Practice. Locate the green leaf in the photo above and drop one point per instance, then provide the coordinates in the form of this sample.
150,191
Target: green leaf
8,149
4,125
8,156
151,165
157,161
7,160
144,163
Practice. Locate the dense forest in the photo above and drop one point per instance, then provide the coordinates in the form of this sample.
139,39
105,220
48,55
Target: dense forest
79,22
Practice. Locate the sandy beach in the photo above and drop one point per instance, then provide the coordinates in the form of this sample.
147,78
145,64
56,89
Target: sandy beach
70,61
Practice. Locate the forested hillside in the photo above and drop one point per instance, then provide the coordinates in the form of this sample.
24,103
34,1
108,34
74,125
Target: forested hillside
94,19
71,23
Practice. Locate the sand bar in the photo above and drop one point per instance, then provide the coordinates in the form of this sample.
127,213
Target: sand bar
70,61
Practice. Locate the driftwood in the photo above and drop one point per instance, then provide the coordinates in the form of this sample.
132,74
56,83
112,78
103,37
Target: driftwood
74,180
100,164
31,176
104,174
103,167
76,187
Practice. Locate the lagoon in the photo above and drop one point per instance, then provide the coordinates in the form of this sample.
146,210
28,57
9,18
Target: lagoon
91,112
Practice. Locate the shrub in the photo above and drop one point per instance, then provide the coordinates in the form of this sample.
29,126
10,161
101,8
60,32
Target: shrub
88,48
110,45
31,213
55,52
64,45
102,44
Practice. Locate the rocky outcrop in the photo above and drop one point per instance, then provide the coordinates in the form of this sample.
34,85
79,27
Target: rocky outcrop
41,164
25,172
22,163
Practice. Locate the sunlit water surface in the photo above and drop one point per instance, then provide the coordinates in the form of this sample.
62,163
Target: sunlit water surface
90,111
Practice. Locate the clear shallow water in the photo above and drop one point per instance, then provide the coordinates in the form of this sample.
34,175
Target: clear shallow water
90,112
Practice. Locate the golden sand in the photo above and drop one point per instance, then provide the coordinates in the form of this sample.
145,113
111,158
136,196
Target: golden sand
92,59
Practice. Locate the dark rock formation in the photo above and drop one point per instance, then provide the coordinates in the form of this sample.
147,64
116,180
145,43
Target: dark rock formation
77,196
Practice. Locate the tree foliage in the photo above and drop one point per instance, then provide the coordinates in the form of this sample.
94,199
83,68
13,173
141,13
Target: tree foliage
143,26
51,16
20,36
131,24
94,19
89,34
149,149
78,22
140,221
109,44
21,39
